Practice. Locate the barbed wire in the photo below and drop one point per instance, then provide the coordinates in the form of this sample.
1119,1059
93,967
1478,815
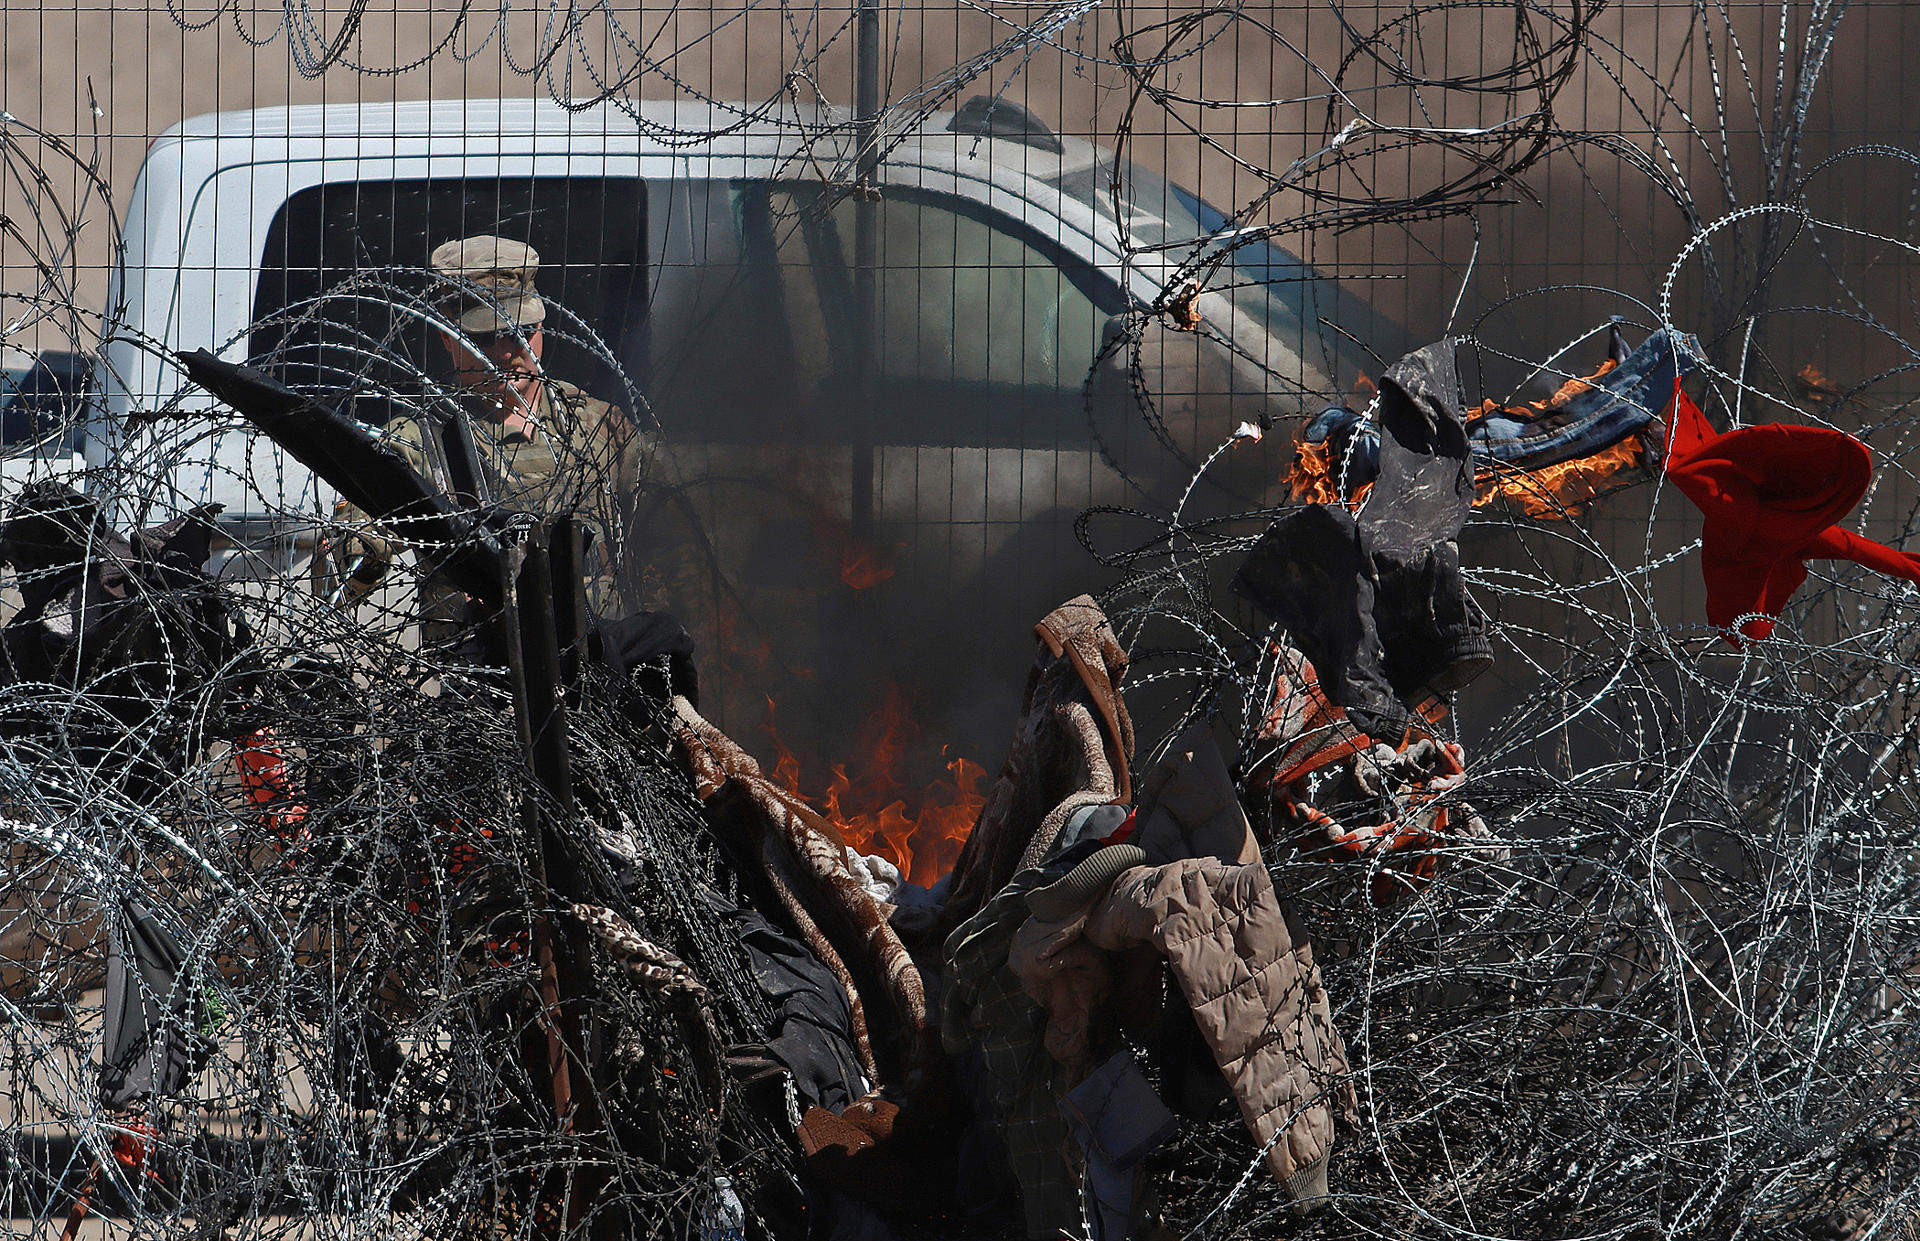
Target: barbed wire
299,937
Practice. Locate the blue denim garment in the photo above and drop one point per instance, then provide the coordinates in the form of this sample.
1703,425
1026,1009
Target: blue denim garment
1623,402
1118,1120
1355,446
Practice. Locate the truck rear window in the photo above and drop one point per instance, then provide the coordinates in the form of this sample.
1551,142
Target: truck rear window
341,256
985,330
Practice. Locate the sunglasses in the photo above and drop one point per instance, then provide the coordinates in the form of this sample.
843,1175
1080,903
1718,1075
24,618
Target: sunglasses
487,340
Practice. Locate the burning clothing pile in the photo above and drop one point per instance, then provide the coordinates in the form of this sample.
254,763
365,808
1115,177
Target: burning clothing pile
1548,457
554,955
1090,913
1085,917
988,1027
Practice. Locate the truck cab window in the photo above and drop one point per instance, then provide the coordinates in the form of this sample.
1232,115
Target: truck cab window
986,331
330,277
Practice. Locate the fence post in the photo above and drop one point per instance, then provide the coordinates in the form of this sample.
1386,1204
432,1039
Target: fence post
532,627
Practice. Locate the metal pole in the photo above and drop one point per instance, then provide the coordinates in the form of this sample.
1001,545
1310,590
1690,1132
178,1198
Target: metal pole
538,611
572,619
866,252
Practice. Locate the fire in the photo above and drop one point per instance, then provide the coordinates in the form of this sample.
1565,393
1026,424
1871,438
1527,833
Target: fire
1561,490
1814,387
1564,489
1553,491
1572,388
861,567
878,805
924,842
786,765
738,650
1310,475
862,564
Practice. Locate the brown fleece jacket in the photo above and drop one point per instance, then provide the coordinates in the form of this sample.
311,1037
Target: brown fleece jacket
1071,748
805,860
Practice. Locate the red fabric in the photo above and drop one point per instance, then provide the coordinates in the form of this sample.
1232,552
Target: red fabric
1122,834
265,778
1770,496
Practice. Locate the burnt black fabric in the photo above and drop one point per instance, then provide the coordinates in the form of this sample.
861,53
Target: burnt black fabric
54,536
1426,469
811,1034
1433,636
652,651
1377,602
379,482
154,1039
133,620
1310,573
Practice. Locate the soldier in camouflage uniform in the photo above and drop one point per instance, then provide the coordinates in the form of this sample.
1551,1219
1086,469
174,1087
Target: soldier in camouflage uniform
544,446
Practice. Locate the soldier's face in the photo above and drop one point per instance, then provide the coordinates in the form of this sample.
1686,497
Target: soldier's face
503,366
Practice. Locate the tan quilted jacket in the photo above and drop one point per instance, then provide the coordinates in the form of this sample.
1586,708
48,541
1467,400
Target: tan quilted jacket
1256,996
1206,903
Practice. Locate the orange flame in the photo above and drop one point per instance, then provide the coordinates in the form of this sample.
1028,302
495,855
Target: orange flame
740,652
786,764
1310,475
1814,387
862,564
925,842
1572,388
1553,491
861,567
1560,490
877,804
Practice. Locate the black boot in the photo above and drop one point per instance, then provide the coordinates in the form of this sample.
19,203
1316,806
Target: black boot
1309,573
1435,637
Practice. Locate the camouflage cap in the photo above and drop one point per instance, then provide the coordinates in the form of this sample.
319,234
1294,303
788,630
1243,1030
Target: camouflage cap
487,283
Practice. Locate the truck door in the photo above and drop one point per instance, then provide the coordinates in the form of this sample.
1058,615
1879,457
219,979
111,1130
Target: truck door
982,454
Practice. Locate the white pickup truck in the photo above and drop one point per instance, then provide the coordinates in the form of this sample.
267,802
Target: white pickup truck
715,272
711,282
43,416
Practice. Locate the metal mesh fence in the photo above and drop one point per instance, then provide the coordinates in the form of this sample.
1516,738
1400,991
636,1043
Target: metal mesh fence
871,334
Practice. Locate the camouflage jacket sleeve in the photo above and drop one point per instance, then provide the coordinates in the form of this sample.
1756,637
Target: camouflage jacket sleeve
605,437
613,452
368,550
